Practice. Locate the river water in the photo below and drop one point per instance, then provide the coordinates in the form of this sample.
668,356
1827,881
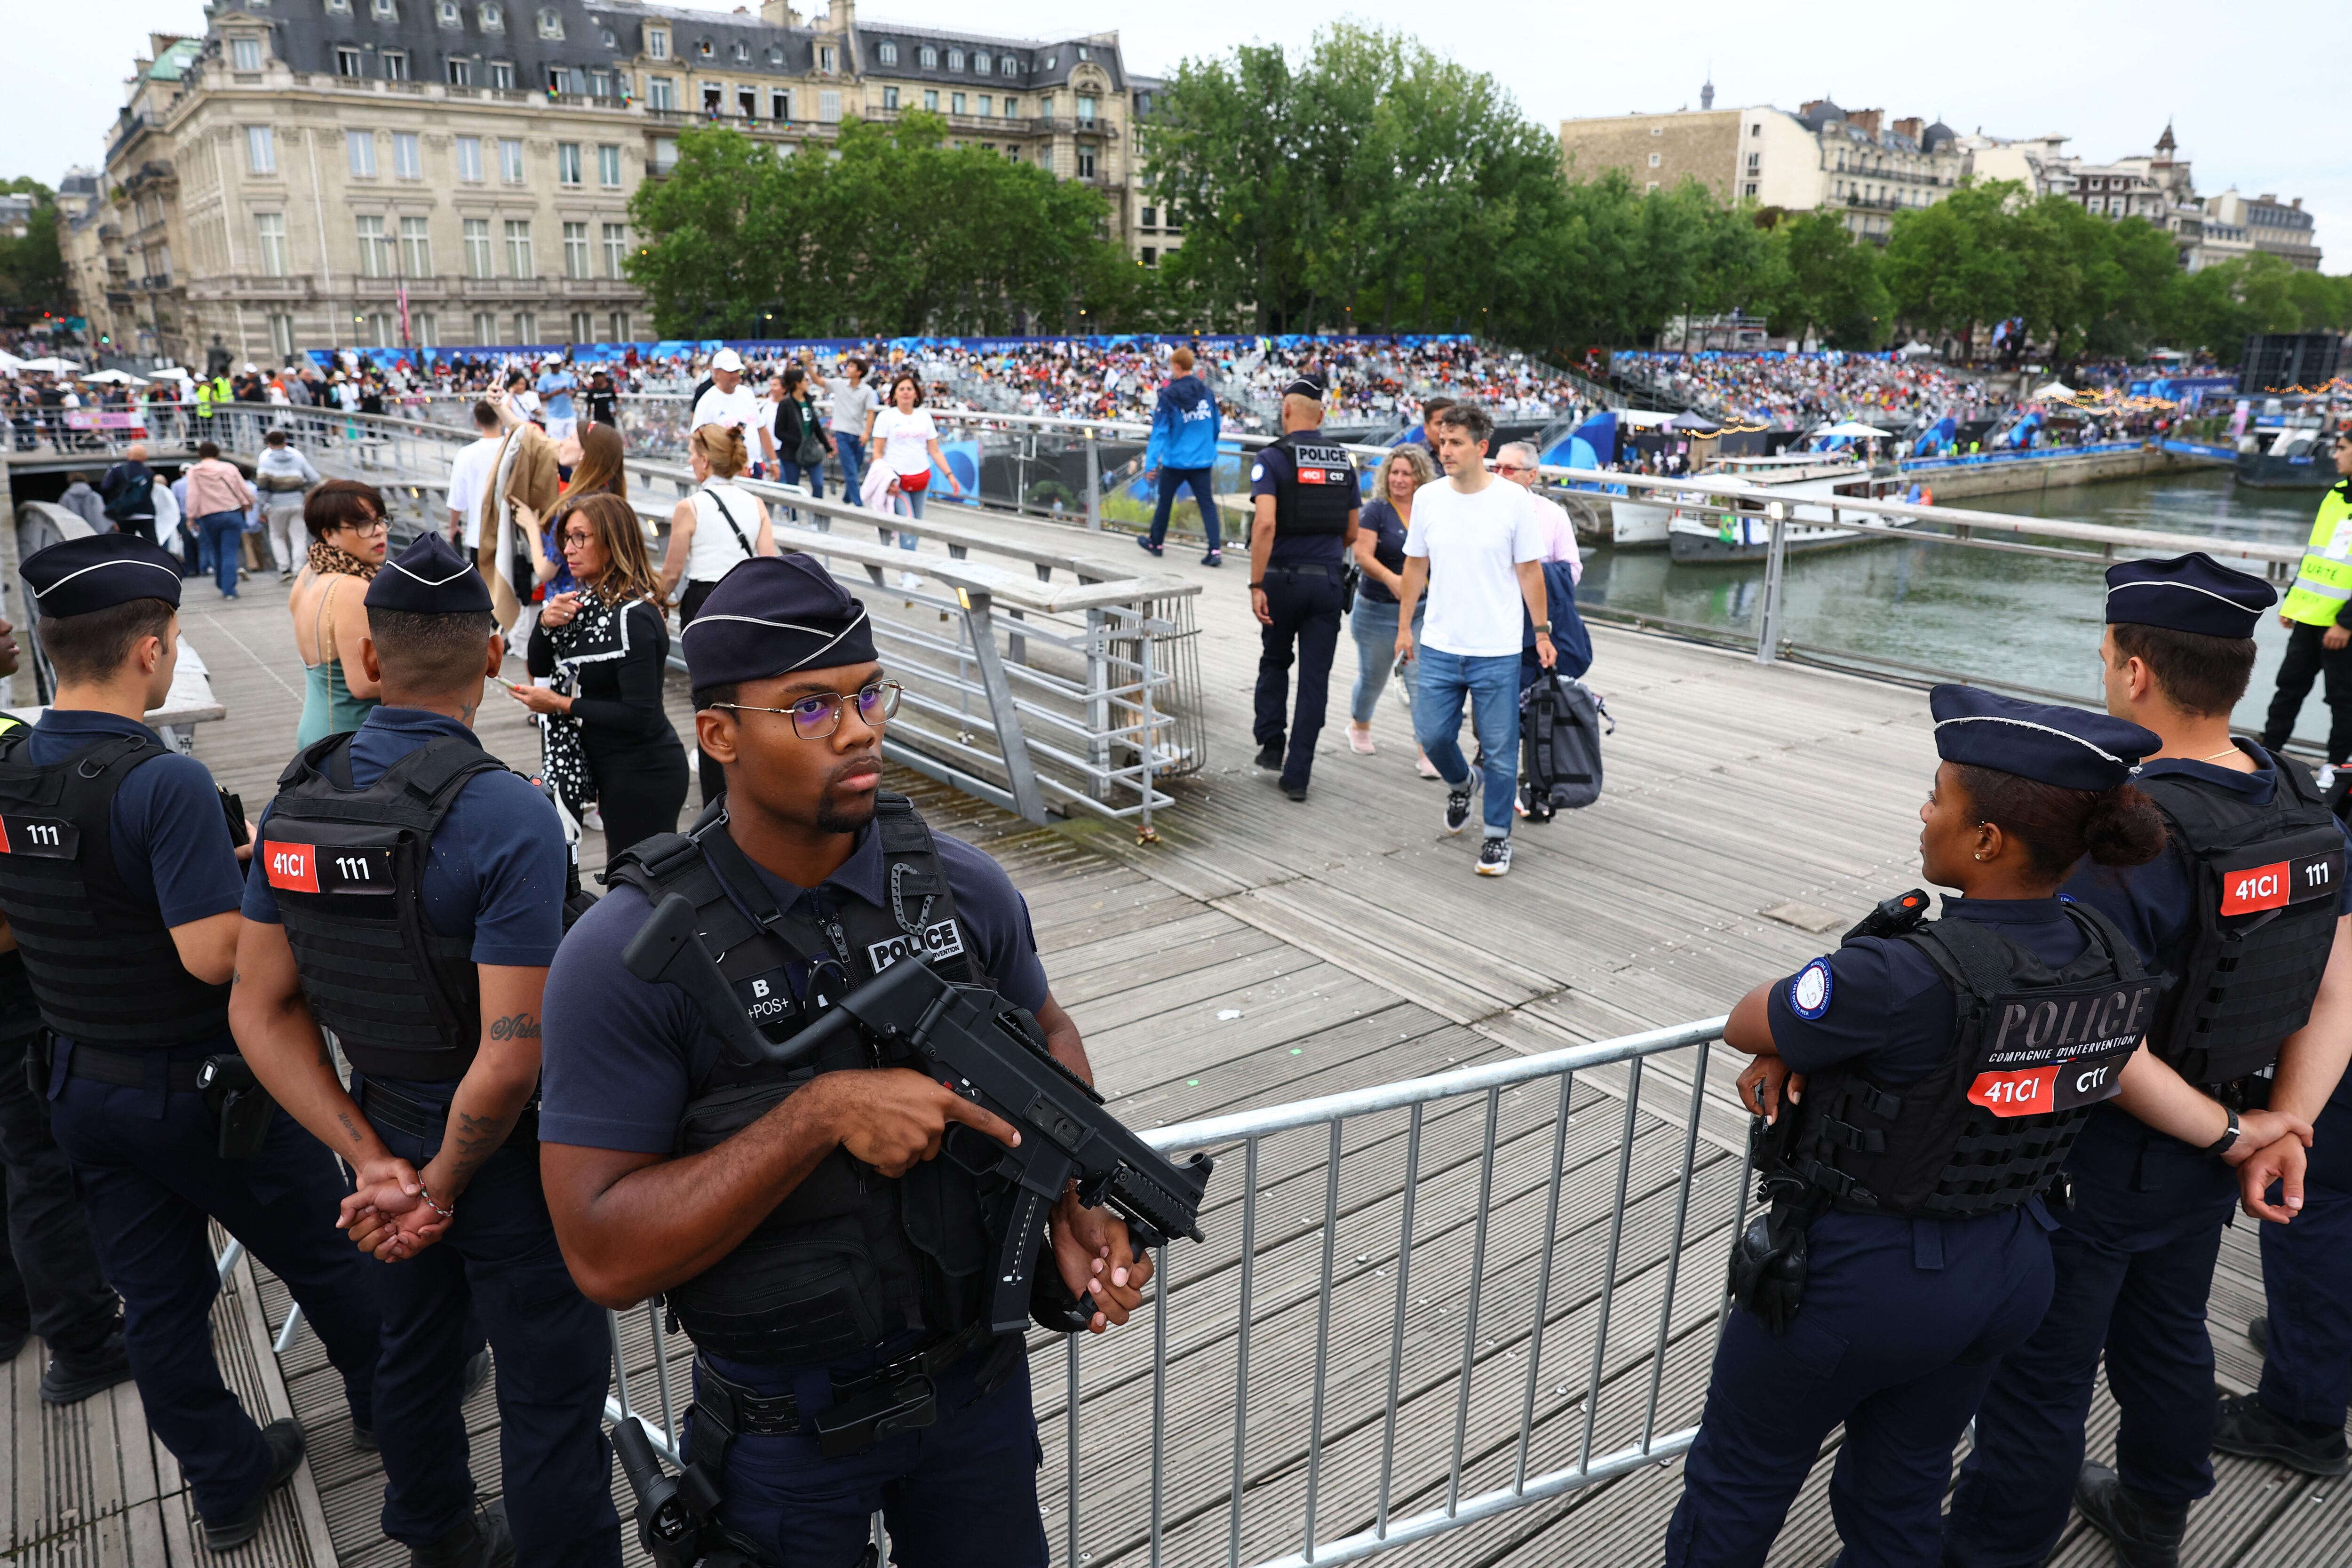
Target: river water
2022,620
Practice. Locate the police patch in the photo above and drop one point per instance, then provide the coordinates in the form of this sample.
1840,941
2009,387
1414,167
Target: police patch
1809,992
1257,472
941,939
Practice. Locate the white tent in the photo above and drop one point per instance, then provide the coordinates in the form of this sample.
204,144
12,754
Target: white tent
53,366
114,377
170,372
1917,349
2054,389
1856,430
9,364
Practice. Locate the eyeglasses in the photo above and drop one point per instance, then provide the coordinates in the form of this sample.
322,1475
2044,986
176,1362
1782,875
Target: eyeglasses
817,716
372,525
1514,468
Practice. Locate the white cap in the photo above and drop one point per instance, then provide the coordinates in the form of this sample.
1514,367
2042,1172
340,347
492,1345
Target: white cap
727,359
249,367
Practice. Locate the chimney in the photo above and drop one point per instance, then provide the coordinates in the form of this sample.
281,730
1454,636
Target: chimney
778,14
1865,119
1807,108
2296,203
2271,196
1910,126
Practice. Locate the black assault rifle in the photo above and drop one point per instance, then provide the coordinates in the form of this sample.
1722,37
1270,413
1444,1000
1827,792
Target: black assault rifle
964,1037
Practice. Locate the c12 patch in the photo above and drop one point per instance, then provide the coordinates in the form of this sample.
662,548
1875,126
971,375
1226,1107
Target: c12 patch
1810,988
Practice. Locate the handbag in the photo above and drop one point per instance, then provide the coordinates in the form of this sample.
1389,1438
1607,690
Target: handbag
811,452
914,484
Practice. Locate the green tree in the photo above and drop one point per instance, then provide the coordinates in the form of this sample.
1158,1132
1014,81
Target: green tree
1949,266
1828,282
32,267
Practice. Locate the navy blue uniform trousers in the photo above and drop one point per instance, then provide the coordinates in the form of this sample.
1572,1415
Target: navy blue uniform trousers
49,1278
147,1160
960,1491
1900,1326
2307,1277
1305,605
2135,1264
553,1351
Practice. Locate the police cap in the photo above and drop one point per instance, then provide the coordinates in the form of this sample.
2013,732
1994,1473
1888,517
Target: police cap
80,576
2192,593
429,578
1305,386
771,615
2070,747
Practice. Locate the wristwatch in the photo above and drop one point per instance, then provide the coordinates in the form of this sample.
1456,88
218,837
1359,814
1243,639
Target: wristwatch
1259,583
1543,629
2228,1140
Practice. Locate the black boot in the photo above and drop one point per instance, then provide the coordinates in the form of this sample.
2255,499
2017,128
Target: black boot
73,1376
2244,1425
2145,1533
285,1440
1269,756
484,1541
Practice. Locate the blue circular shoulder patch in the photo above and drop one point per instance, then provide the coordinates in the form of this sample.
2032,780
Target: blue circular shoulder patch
1809,990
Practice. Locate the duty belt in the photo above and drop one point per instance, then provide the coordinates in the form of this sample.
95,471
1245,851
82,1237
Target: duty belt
128,1069
419,1119
868,1406
1329,571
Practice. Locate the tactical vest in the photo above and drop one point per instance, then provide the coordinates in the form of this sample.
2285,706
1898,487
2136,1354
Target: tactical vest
2032,1050
100,957
347,868
2322,582
850,1256
2268,882
1320,490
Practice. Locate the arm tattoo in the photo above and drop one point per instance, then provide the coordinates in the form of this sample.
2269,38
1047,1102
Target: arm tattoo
515,1027
350,1128
479,1137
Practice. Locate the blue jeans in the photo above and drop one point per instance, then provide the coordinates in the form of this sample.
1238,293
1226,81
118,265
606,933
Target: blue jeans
1173,480
851,450
223,533
1374,627
1492,685
812,476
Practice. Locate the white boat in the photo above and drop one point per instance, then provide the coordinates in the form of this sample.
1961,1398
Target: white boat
1713,528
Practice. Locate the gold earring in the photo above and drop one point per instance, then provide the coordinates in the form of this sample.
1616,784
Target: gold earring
1980,854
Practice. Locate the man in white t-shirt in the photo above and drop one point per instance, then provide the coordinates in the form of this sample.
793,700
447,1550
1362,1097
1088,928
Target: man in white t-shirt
728,402
469,475
1477,546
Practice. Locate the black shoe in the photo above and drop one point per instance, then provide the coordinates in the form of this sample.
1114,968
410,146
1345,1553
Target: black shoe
1145,540
2258,1334
478,1374
1295,792
72,1378
285,1440
2244,1425
1213,558
1495,858
2145,1533
1270,755
484,1541
1457,805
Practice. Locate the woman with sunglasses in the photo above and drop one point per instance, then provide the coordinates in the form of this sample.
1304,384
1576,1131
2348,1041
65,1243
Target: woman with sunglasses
348,536
605,735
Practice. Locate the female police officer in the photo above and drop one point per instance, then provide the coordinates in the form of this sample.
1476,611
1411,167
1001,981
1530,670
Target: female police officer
1923,1083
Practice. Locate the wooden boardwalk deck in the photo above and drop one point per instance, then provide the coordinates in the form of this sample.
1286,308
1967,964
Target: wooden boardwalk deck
1266,951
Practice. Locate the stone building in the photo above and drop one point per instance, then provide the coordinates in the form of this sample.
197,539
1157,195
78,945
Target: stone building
310,173
2267,223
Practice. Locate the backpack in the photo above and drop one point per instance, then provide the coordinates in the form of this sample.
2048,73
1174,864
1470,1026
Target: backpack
130,496
1559,745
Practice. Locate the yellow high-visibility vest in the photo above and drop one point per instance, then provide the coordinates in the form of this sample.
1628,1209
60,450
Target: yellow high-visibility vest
2323,581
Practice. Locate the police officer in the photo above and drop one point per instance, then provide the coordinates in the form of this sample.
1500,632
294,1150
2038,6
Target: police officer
49,1280
1304,497
2257,1012
1923,1083
120,880
2318,617
410,897
827,1267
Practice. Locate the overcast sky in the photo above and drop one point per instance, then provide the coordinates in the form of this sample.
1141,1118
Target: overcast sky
2253,95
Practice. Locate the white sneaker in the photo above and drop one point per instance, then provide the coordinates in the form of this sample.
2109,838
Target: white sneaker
1495,858
592,820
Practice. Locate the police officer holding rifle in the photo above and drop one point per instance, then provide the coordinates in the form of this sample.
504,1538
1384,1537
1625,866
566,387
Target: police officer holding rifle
816,1225
2244,914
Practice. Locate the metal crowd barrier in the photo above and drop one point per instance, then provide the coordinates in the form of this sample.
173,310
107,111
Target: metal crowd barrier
1502,1336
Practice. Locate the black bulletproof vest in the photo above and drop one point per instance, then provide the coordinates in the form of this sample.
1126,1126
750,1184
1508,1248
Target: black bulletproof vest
2268,882
2032,1050
1321,489
850,1256
100,957
347,868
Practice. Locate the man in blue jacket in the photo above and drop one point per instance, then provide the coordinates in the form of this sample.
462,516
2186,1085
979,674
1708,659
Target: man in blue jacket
1184,452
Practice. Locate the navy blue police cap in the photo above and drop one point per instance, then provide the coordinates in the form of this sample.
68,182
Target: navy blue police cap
2070,747
1306,387
773,614
78,576
430,578
2192,593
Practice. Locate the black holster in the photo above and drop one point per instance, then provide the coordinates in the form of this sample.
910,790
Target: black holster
1768,1257
238,1102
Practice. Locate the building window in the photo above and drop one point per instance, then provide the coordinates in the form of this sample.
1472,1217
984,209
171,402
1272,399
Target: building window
747,103
661,92
477,255
270,229
824,58
890,98
886,53
384,10
620,327
927,58
245,54
567,163
1008,65
408,159
608,166
1012,107
987,106
551,22
616,249
282,338
510,160
1046,107
260,150
741,51
600,84
931,100
955,102
485,328
1049,61
526,326
559,79
1150,218
1755,160
494,20
361,144
1085,162
1150,255
1750,189
502,75
452,14
980,64
518,263
375,251
395,66
415,247
955,59
712,92
828,107
575,250
339,7
348,63
428,331
461,73
583,327
664,155
780,104
469,159
658,43
1085,109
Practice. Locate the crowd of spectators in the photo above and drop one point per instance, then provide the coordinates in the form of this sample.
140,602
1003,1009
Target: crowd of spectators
1800,392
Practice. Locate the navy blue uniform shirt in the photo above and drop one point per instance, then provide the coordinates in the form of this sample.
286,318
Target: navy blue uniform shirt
1269,471
1380,520
170,837
1885,1007
2156,903
497,863
622,1054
